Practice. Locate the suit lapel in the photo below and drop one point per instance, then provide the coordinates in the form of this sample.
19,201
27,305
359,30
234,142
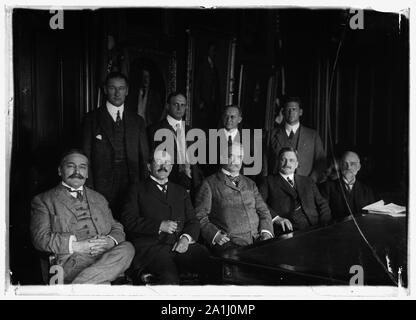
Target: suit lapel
285,186
278,138
105,121
227,181
94,206
154,191
131,128
62,195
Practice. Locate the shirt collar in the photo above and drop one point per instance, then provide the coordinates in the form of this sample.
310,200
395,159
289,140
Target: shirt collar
159,181
228,173
112,110
348,183
232,133
293,128
285,176
72,189
173,122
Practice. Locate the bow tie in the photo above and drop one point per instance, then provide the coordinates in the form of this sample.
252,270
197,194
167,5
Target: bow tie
79,193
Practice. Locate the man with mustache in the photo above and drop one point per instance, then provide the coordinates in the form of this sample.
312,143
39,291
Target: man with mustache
183,173
74,225
160,221
230,209
293,196
347,195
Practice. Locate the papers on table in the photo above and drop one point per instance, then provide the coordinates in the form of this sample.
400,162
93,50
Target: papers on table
390,209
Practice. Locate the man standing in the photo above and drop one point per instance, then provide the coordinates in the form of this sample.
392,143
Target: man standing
183,173
145,100
115,141
347,194
230,209
293,196
292,134
74,223
231,132
160,221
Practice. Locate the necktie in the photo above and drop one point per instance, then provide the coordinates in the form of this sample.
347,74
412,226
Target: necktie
118,119
291,182
291,135
235,180
349,186
180,141
79,195
163,186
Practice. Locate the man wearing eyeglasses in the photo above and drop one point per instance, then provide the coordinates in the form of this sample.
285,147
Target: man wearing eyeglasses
160,221
347,195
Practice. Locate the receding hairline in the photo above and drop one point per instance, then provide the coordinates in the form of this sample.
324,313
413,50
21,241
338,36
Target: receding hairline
346,153
65,157
287,151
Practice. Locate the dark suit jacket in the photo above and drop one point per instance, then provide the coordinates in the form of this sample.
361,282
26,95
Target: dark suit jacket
239,211
146,207
280,197
359,197
53,219
176,176
311,154
98,144
154,105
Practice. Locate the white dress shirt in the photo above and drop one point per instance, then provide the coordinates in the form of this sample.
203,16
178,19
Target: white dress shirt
231,133
290,128
112,110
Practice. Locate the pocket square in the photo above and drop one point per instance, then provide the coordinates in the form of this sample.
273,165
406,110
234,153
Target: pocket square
99,137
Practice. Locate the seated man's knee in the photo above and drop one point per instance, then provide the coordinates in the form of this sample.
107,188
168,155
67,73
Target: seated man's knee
127,249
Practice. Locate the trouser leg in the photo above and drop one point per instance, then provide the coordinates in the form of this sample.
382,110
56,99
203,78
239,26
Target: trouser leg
108,266
163,266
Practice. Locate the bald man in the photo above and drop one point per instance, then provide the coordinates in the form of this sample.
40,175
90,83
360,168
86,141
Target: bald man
348,189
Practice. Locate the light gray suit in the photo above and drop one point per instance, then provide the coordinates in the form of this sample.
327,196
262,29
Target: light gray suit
239,211
53,221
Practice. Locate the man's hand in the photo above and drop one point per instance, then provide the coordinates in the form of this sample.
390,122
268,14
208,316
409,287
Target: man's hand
284,223
168,226
221,238
83,246
181,245
100,244
265,236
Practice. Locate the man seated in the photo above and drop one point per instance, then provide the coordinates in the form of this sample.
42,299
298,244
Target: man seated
230,209
347,193
75,224
293,196
160,221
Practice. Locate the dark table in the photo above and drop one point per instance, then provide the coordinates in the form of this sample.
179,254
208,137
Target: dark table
324,256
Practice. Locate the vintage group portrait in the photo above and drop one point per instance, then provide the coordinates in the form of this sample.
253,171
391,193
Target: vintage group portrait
318,98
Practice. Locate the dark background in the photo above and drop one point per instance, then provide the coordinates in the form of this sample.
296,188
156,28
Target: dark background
57,74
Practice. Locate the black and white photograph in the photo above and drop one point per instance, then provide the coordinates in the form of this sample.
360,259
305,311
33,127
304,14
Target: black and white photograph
317,99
